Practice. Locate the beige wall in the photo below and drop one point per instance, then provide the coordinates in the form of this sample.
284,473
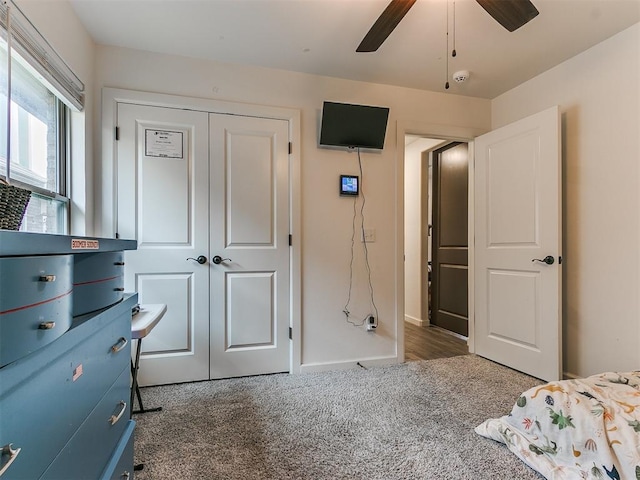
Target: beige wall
328,341
598,93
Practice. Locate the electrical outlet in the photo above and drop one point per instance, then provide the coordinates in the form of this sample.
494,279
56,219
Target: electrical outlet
371,323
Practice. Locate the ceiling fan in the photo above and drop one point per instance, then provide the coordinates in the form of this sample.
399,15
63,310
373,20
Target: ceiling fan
511,14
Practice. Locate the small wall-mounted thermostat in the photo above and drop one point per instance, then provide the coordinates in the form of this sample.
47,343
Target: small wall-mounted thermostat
349,185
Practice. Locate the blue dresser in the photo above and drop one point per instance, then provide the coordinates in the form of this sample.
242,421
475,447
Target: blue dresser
65,350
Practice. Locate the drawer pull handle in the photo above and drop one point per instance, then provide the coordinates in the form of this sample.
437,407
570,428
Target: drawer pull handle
114,418
46,325
119,345
8,451
118,289
119,264
47,278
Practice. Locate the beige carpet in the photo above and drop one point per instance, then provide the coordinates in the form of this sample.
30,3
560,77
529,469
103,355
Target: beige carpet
410,421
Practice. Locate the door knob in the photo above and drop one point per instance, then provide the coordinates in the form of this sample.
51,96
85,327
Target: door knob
549,260
201,259
218,260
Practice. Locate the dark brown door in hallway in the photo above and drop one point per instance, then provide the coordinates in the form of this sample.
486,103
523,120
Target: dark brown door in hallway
449,297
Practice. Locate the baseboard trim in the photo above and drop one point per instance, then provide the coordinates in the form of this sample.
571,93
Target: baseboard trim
416,321
348,364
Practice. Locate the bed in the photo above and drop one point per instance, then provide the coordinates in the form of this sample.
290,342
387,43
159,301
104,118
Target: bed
576,429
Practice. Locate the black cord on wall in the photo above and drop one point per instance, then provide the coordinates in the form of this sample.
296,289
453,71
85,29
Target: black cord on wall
366,253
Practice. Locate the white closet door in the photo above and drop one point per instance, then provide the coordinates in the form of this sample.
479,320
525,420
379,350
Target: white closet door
162,201
250,289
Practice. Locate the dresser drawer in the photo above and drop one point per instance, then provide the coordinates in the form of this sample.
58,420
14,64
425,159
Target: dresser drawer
98,281
120,466
52,391
35,308
88,452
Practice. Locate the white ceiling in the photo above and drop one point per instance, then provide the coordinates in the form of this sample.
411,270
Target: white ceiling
321,36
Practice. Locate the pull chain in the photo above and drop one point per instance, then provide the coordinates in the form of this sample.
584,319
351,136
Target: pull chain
446,85
453,52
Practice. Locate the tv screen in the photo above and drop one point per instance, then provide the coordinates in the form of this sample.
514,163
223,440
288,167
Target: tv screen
353,126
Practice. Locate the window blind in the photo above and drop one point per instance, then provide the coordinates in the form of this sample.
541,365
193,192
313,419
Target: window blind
36,52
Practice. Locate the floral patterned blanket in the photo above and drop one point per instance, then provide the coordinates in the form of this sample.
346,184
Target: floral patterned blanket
576,429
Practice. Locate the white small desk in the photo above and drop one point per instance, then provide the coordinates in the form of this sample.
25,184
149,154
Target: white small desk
142,323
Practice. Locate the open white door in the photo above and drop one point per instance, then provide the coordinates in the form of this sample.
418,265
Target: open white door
518,225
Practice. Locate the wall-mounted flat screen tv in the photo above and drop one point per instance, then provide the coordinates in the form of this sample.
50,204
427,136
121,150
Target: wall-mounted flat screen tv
353,126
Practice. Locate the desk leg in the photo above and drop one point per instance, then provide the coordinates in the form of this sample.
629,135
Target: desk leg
135,390
134,375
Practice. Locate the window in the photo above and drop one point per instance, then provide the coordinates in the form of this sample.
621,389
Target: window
37,162
34,123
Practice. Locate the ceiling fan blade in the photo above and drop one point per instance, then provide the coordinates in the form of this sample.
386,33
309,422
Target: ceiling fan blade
511,14
385,24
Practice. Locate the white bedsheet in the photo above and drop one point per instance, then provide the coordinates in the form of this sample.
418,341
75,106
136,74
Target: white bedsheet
576,429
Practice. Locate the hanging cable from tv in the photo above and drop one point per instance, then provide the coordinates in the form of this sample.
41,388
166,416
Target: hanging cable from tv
354,229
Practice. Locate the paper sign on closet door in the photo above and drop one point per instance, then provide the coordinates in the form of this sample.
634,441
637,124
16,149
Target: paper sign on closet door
163,143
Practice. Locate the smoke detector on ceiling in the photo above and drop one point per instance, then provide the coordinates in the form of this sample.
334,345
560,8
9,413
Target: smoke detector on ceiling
461,76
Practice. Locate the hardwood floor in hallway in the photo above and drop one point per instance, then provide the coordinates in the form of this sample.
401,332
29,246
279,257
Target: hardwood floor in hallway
428,343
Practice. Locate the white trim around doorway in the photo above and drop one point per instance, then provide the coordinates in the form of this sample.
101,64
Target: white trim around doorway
444,132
